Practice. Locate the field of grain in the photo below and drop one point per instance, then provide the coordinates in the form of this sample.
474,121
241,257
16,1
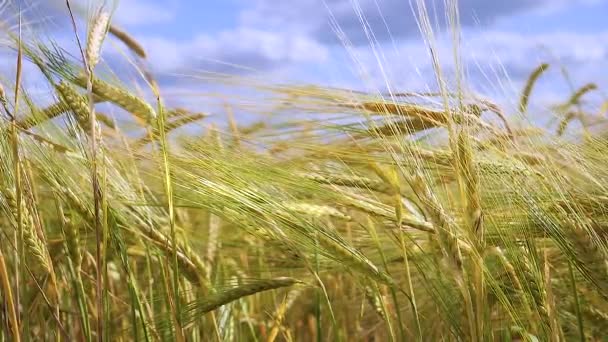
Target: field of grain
340,216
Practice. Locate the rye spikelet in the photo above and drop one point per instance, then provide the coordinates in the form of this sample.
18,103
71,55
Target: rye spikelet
39,116
431,116
105,119
401,127
97,34
569,115
554,324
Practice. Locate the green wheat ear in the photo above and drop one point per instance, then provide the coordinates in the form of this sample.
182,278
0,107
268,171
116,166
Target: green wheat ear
196,309
76,102
121,98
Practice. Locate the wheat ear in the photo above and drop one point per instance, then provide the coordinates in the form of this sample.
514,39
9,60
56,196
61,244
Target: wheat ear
95,38
35,245
128,41
77,103
525,96
120,97
219,298
316,211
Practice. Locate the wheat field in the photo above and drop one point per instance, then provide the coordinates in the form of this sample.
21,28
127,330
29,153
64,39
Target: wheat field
340,216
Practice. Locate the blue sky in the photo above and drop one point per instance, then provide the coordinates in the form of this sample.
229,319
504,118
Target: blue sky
296,41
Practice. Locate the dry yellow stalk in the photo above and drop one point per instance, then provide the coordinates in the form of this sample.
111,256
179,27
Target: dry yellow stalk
8,299
280,313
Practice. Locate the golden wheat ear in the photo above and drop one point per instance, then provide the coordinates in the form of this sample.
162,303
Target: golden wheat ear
129,41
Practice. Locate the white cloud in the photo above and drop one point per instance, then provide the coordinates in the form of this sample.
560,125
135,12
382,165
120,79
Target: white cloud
128,12
143,12
227,51
386,19
496,64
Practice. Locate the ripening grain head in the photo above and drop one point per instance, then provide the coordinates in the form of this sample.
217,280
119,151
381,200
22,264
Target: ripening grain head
95,38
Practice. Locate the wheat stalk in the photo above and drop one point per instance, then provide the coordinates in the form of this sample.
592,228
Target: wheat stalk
470,179
7,294
73,243
194,267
